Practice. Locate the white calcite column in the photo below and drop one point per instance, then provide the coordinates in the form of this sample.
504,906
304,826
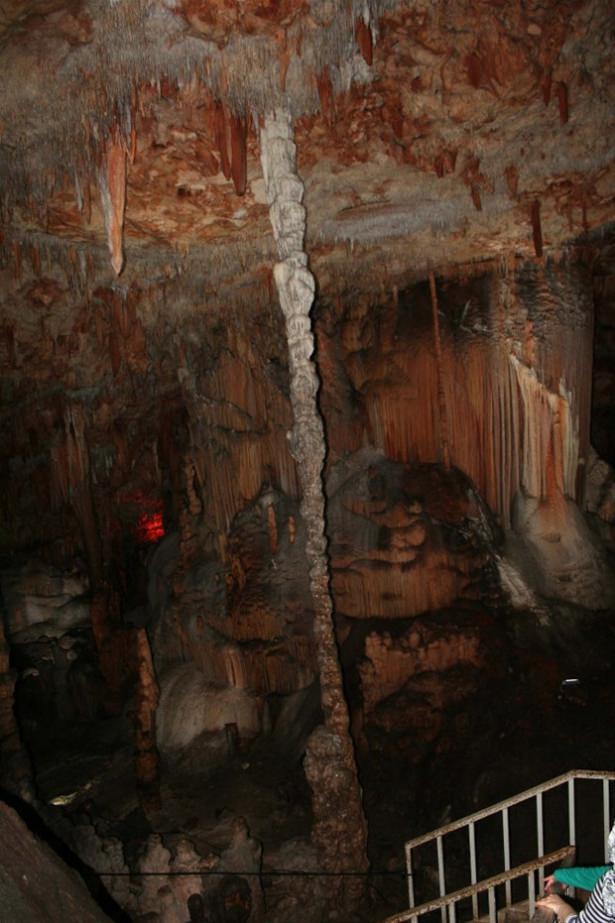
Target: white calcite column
340,830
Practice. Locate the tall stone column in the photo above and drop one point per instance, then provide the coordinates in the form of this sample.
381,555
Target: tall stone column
340,830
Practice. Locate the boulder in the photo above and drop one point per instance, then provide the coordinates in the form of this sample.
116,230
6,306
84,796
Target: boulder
36,885
190,706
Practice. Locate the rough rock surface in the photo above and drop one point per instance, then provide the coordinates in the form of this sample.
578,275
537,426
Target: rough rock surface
35,884
427,187
190,706
459,129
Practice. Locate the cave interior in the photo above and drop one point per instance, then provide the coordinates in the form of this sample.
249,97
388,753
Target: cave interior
307,435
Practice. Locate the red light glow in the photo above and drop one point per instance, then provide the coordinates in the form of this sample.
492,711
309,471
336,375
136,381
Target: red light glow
149,528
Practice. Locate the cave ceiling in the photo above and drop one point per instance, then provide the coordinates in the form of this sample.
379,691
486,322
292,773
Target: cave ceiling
428,133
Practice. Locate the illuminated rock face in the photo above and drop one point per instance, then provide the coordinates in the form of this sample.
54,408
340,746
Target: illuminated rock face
515,367
406,539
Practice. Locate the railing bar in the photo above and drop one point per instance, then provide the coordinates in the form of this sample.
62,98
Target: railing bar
492,912
558,856
506,839
441,879
409,875
509,802
473,872
572,832
531,893
606,810
452,913
540,836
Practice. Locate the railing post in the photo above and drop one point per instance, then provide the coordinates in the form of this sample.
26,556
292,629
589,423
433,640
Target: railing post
606,812
473,871
572,829
540,836
531,894
409,877
506,838
492,908
441,879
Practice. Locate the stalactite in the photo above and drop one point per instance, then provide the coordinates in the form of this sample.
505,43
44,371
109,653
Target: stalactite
536,227
17,262
72,481
78,193
550,445
87,201
284,55
272,528
325,94
35,259
71,467
132,152
444,438
112,183
512,180
339,824
146,754
238,153
220,132
363,35
562,101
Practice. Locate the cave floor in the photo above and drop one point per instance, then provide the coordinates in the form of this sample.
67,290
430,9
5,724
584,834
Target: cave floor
526,728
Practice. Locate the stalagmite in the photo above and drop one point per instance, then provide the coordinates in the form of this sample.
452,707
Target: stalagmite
112,183
339,825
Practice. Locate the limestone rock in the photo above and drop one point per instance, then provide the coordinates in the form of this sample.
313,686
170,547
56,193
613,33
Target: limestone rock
43,601
405,540
191,706
35,884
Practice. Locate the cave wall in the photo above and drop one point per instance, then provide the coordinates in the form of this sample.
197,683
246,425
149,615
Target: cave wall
514,342
137,420
139,413
153,549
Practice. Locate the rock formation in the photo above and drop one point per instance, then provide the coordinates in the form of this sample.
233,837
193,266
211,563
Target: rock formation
35,883
307,495
340,829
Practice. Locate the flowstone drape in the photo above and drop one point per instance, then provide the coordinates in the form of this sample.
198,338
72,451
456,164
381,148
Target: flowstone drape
339,825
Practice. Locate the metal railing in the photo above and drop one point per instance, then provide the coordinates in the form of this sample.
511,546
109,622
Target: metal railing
447,902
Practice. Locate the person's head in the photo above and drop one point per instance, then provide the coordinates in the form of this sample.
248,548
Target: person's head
235,899
196,908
